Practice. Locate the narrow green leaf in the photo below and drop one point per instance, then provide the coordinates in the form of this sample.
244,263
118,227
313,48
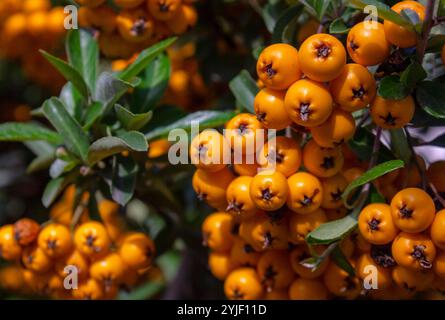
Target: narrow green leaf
341,261
68,72
124,180
391,87
399,145
431,97
244,88
54,188
436,43
338,27
18,131
283,21
130,120
271,12
144,59
413,74
83,55
93,113
59,167
205,119
384,12
39,163
108,146
371,175
109,90
72,100
332,231
73,136
154,82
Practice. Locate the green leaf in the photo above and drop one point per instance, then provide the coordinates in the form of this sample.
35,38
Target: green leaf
109,90
93,113
332,231
341,261
68,72
362,144
54,188
40,147
431,97
413,74
73,136
283,21
72,100
411,16
244,88
320,7
435,43
123,180
130,120
59,167
144,59
205,119
371,175
83,55
18,131
384,12
400,146
338,27
39,163
271,12
391,87
108,146
154,82
257,51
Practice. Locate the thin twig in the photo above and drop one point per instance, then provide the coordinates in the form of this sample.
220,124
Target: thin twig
426,30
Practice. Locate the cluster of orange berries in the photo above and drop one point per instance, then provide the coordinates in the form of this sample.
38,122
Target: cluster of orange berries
257,237
408,242
137,24
105,256
27,26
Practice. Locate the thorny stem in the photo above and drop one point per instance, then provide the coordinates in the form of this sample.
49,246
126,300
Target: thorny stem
426,29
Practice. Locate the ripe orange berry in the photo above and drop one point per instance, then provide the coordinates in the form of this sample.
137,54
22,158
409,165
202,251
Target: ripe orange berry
128,3
333,188
211,186
241,133
353,173
308,103
137,250
297,257
217,231
439,265
412,210
367,43
412,280
300,225
208,149
270,110
322,57
354,89
91,239
322,162
89,290
278,294
392,114
220,264
26,231
243,284
282,154
436,175
102,18
278,67
383,276
338,128
340,283
263,232
415,251
9,247
109,271
163,9
238,197
243,254
305,193
35,259
90,3
185,18
76,259
134,25
246,166
269,190
437,229
306,289
376,224
398,35
274,270
55,240
11,278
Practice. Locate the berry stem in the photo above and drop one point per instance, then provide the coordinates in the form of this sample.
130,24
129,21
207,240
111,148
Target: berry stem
426,29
